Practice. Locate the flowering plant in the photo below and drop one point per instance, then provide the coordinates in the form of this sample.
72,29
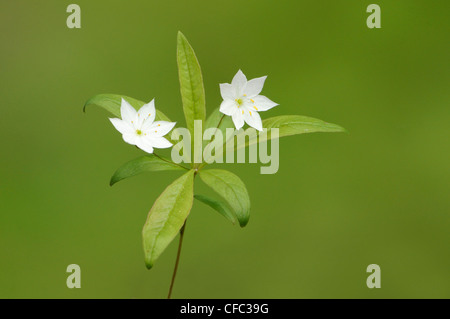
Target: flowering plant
142,125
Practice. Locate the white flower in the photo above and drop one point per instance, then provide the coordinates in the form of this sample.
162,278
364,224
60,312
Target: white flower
139,127
241,100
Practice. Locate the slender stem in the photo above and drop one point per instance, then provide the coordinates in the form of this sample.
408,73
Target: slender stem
220,122
165,160
177,260
217,128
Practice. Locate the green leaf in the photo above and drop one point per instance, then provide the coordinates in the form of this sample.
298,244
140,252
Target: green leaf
143,164
298,124
167,216
218,206
287,125
111,103
292,125
232,189
191,83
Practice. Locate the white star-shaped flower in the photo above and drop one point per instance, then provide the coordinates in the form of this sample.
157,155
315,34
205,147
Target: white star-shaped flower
241,100
139,127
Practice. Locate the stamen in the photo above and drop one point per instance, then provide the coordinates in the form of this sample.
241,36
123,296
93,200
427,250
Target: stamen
242,111
252,101
255,107
250,113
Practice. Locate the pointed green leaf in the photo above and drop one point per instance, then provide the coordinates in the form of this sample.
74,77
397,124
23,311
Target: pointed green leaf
298,124
191,83
111,103
167,216
292,125
143,164
287,125
218,206
232,189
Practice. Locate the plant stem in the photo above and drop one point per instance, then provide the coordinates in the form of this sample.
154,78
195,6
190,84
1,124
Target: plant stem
165,160
217,128
220,122
177,260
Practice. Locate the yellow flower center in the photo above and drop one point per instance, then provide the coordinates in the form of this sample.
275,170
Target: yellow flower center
138,132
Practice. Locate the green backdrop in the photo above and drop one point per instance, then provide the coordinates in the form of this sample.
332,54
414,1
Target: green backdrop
339,202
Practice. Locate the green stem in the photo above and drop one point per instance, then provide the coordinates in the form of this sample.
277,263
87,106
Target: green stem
220,122
218,125
165,160
177,260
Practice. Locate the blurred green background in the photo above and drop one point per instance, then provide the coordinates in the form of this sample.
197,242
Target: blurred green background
338,203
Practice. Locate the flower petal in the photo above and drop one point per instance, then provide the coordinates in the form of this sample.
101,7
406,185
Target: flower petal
227,91
130,138
253,119
238,119
144,145
122,126
159,142
263,103
254,86
158,128
239,82
147,112
228,107
127,112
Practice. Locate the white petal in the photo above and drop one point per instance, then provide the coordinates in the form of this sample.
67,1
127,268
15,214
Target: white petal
122,126
239,82
262,103
254,86
130,138
158,128
253,119
228,107
238,119
127,112
159,142
143,144
227,91
147,112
